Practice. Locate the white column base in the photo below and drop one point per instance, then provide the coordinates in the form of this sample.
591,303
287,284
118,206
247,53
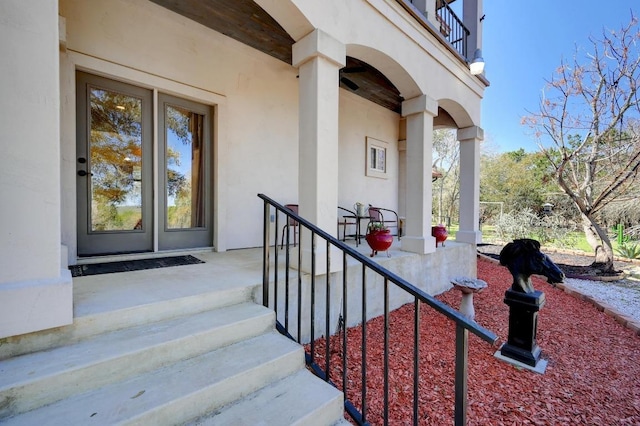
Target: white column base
420,245
30,306
470,237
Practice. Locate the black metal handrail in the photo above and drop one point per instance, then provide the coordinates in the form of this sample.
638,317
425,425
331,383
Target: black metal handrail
450,26
283,310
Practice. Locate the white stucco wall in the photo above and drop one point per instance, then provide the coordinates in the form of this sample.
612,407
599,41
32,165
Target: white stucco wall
360,119
259,132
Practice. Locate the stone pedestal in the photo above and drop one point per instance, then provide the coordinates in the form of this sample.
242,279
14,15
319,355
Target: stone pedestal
523,325
468,286
466,306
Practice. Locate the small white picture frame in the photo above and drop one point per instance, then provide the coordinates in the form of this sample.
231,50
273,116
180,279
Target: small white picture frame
376,158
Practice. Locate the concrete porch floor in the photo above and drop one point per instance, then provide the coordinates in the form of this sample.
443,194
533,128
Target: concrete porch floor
221,271
233,269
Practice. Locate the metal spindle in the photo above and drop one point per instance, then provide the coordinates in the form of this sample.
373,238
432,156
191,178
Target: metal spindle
313,297
327,349
344,324
299,285
286,288
386,351
364,345
275,266
265,254
416,358
462,351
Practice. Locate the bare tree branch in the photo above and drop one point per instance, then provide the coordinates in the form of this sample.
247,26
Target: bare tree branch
587,126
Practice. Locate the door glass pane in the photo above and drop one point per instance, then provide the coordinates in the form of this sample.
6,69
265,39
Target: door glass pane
115,161
185,168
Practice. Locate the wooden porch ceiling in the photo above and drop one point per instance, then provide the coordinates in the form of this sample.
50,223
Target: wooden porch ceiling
248,23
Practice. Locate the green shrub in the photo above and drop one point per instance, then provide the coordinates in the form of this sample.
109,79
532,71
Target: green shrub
527,224
514,225
630,251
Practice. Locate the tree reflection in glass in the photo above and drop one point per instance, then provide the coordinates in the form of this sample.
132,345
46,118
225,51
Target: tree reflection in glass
184,168
115,161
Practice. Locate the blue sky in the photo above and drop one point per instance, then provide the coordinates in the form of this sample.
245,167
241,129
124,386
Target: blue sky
523,43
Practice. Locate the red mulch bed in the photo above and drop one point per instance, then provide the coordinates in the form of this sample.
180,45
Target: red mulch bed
592,377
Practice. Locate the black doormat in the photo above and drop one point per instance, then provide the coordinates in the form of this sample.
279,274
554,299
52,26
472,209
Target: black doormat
131,265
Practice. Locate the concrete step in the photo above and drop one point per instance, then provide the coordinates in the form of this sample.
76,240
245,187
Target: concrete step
300,399
163,346
178,392
101,306
36,379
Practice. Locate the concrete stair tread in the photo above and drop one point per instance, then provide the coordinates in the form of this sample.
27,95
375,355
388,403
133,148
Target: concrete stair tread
36,365
108,357
119,302
97,312
180,391
300,399
109,292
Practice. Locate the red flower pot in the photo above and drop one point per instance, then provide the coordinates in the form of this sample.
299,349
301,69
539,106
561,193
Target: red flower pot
379,241
440,232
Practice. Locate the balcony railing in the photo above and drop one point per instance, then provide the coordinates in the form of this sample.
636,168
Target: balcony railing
307,306
452,28
449,24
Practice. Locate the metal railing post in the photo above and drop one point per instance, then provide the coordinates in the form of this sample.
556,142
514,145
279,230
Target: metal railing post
313,296
386,352
327,316
363,390
265,254
299,308
344,325
462,351
416,359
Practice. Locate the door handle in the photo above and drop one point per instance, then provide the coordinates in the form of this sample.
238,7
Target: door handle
84,173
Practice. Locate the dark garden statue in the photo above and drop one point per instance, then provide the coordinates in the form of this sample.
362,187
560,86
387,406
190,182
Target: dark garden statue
523,258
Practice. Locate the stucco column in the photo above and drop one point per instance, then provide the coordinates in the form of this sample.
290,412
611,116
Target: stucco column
470,138
419,113
471,15
319,57
35,287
